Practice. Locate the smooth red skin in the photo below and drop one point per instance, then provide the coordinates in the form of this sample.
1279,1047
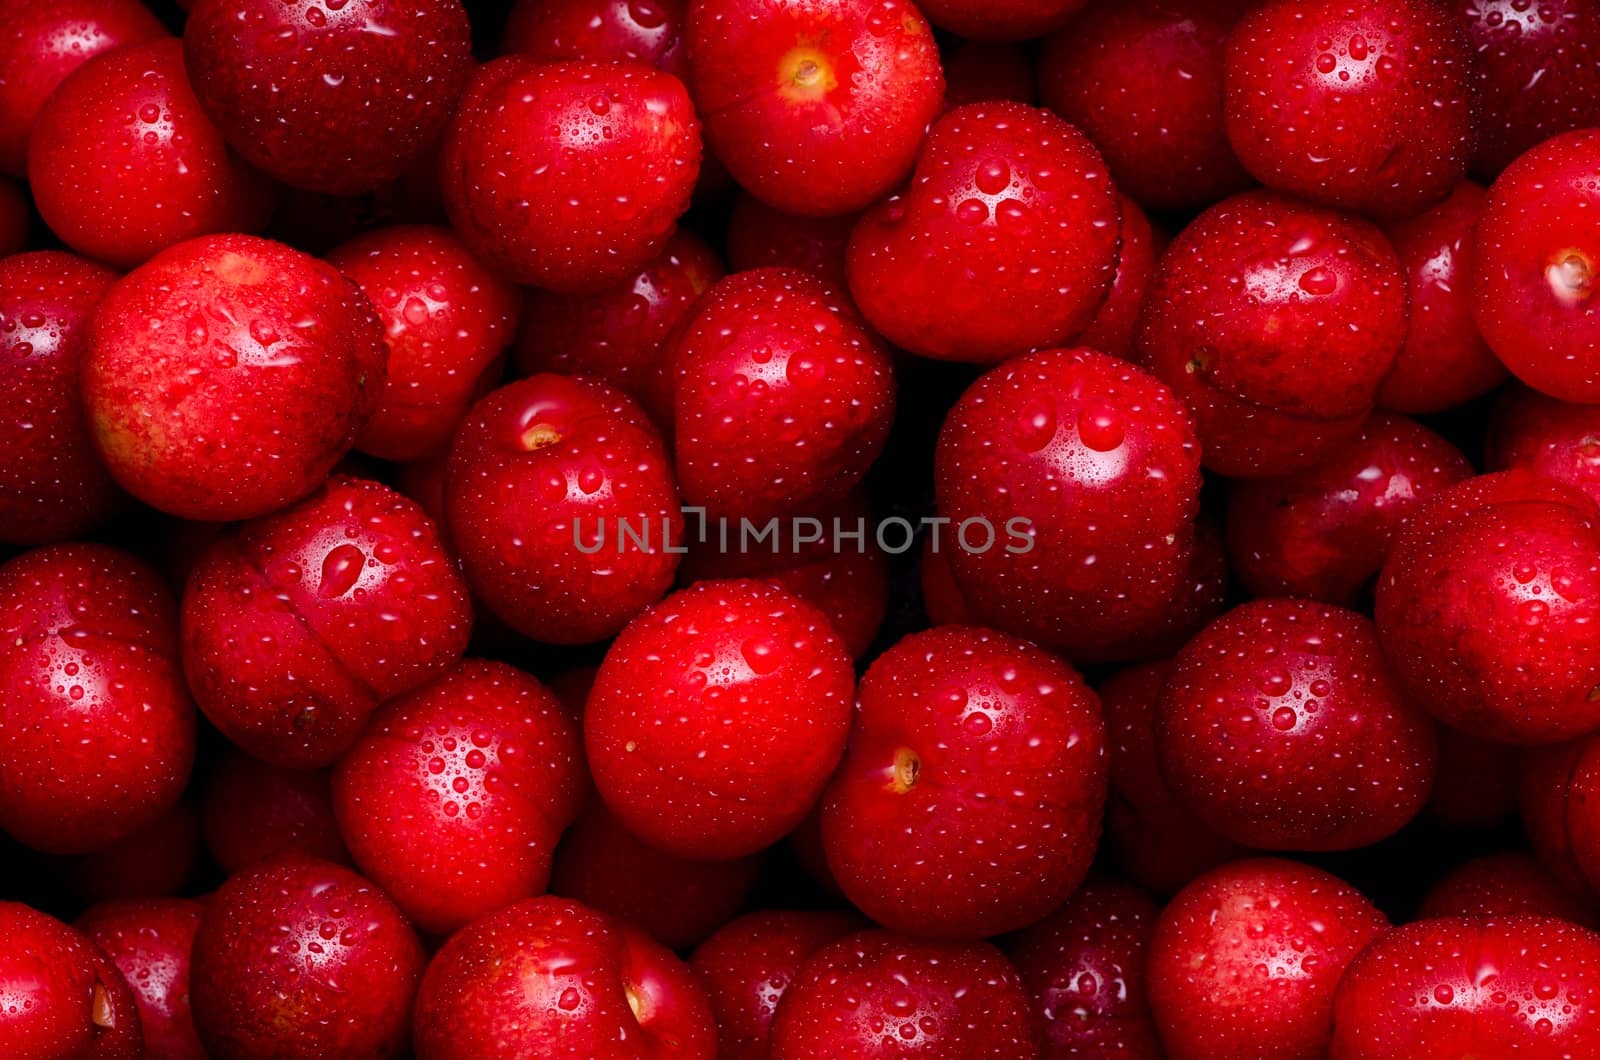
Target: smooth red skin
578,188
782,398
829,148
1003,816
149,940
40,44
1368,106
978,71
97,730
14,218
749,964
1276,322
1519,986
511,510
447,323
52,484
1538,72
1156,838
252,812
300,957
1014,448
1500,885
1084,969
1560,802
1444,361
552,978
1325,532
1282,728
1245,960
454,797
123,163
1002,20
263,360
637,31
313,96
1144,82
1032,265
675,901
619,335
760,236
1467,636
717,717
1477,782
296,626
1550,438
876,994
57,983
941,596
1541,321
1115,327
153,862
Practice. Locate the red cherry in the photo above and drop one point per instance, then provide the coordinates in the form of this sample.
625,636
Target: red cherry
252,812
1116,325
1550,438
969,800
149,940
632,31
71,1000
1502,885
1559,796
760,235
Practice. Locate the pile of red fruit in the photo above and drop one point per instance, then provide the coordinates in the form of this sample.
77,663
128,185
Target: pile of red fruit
807,529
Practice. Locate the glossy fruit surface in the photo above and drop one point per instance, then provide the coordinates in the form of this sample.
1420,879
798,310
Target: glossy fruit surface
1004,241
1499,885
70,1000
149,940
1115,327
207,329
1552,439
637,31
1558,799
969,801
330,98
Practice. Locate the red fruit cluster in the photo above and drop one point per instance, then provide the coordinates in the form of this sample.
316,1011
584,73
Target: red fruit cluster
800,529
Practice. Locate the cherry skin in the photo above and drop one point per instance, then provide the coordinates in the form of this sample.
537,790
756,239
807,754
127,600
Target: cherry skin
1004,20
675,901
977,71
1282,728
252,812
1559,796
296,626
1084,969
969,800
208,331
1144,81
550,977
152,862
97,730
1486,608
580,185
1276,322
14,218
547,479
149,940
278,958
1154,835
1550,438
42,44
760,235
447,323
815,108
333,99
1061,456
1471,986
1519,47
1245,960
52,484
1444,361
876,993
749,964
1324,533
1115,327
71,999
623,31
782,397
454,797
717,717
1005,240
1501,885
1536,284
619,335
123,163
1367,106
